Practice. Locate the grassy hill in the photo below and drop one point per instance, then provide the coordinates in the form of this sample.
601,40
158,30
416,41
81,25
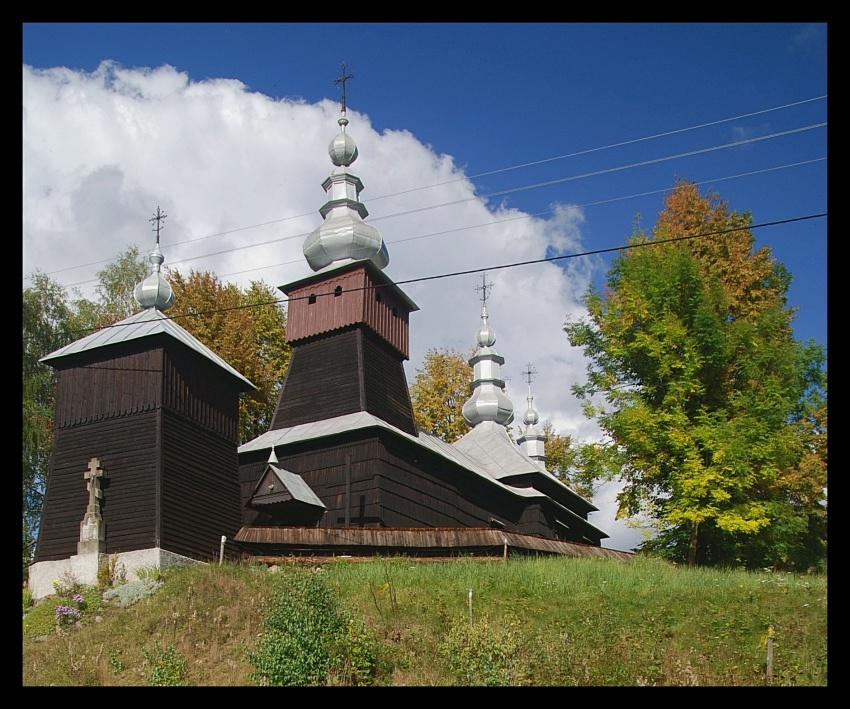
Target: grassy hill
555,621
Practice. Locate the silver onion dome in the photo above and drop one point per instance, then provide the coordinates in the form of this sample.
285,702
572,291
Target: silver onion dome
488,401
154,291
532,442
343,235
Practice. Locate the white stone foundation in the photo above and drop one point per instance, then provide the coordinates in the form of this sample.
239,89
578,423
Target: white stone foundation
83,568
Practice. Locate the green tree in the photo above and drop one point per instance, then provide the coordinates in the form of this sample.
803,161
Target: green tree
439,391
696,378
115,289
565,459
48,323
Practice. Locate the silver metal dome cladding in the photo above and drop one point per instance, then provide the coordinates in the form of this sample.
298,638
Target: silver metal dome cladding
488,402
342,149
343,235
154,291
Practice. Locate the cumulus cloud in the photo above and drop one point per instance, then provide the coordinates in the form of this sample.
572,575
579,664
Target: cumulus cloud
239,175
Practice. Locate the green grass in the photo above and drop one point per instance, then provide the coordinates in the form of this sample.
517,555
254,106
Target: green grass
555,621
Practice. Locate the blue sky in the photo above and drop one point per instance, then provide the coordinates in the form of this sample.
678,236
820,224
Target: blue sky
573,130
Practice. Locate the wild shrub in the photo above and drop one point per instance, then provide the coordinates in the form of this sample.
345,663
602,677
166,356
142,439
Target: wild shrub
27,598
111,572
484,653
149,572
302,626
356,658
67,585
164,668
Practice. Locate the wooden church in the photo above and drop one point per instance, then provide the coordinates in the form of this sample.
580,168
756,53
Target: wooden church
366,479
147,465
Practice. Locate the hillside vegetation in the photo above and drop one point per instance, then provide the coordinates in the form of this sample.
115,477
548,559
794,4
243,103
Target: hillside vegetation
554,621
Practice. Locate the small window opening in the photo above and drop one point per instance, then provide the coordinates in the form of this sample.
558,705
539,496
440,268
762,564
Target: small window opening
312,298
337,291
395,312
378,296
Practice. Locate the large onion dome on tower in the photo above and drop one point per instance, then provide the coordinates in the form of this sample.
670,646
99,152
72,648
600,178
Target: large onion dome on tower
343,235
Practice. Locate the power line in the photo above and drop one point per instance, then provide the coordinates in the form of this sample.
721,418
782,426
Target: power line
515,264
491,172
606,147
518,189
526,216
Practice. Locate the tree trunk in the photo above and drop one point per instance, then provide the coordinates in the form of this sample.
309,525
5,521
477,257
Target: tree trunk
692,547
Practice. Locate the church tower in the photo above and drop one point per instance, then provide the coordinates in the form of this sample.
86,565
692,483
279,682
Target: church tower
348,323
144,462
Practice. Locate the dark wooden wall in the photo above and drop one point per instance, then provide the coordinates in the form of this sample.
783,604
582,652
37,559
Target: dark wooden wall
392,482
127,449
163,421
343,373
141,375
199,497
348,298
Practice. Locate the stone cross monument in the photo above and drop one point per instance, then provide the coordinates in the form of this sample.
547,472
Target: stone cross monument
92,528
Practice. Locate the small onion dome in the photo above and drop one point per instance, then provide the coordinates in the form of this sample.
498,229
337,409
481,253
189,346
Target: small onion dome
154,291
486,335
342,149
530,418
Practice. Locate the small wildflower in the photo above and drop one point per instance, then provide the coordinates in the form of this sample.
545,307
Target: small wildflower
66,614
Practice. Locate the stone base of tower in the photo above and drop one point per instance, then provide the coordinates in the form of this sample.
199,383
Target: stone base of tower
83,568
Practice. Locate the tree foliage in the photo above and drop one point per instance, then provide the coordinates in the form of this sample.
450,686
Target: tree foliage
712,408
48,323
564,461
439,391
117,282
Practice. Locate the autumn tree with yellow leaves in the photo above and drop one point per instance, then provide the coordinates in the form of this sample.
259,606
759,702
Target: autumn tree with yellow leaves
716,415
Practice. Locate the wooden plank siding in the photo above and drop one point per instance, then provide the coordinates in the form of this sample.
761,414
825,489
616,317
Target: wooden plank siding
126,447
348,298
278,544
394,483
385,385
343,373
114,382
163,421
198,390
199,498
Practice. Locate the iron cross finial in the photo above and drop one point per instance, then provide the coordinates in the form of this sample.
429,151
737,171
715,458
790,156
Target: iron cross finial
483,287
159,217
529,374
343,77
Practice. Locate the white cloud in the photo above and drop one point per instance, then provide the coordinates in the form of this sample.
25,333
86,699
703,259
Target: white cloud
239,176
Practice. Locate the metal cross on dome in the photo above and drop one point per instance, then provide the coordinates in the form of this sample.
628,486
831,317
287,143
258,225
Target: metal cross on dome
529,373
483,287
343,77
159,217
